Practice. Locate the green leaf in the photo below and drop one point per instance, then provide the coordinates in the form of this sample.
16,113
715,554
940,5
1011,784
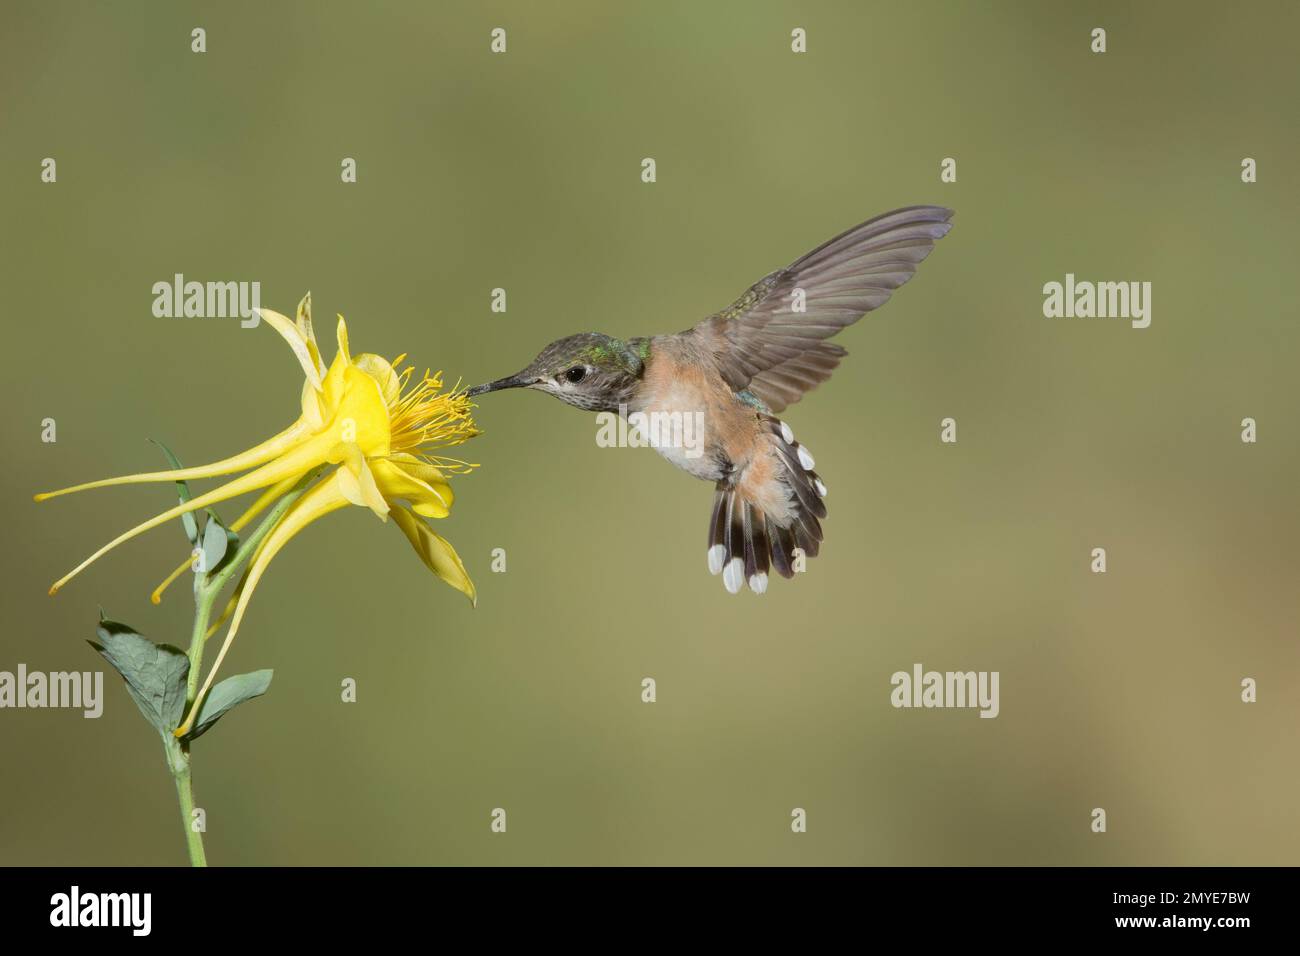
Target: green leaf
214,545
230,692
155,674
187,520
219,542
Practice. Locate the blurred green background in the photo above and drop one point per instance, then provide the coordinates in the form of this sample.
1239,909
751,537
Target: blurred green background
522,171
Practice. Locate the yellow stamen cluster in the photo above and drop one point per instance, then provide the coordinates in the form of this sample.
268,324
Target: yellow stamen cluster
424,417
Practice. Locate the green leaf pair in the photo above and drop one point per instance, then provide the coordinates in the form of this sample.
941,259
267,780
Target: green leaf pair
156,676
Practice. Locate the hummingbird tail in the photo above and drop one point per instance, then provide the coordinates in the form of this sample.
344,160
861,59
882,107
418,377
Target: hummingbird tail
768,517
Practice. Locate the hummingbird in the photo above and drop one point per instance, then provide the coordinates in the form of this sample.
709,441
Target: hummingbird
733,373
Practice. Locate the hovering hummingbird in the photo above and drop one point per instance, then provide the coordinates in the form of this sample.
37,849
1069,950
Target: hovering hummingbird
734,372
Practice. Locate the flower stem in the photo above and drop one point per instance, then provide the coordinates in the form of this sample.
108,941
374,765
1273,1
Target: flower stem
180,764
205,596
178,751
207,588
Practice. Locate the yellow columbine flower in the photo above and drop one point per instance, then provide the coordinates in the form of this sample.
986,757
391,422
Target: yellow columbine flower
360,415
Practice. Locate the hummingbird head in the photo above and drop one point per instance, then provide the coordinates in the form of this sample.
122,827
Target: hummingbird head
588,370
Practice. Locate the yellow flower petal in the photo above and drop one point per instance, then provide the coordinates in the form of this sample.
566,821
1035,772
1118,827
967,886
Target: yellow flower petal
304,327
361,415
342,334
436,552
378,368
335,379
430,500
418,468
297,341
356,481
313,412
258,455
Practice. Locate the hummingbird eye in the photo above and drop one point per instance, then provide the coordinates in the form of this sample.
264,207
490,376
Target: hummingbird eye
576,374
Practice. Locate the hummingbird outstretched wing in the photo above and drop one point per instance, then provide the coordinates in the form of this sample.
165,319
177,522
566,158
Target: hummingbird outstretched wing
772,340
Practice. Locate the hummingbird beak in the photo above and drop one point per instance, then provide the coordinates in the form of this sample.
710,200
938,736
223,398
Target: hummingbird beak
518,380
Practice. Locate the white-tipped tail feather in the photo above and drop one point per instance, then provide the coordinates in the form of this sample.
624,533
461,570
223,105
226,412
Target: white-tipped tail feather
745,542
733,575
